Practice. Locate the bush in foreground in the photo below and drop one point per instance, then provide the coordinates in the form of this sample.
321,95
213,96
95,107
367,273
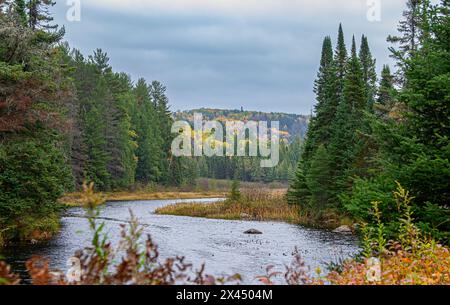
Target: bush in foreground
414,259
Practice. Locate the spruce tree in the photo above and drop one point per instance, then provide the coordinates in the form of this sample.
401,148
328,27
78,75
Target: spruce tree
368,64
120,132
386,92
329,88
340,60
319,128
413,145
39,14
235,193
349,119
299,192
149,150
96,142
165,120
409,39
318,179
20,7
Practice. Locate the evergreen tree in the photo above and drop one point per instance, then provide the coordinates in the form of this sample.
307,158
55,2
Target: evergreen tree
340,60
329,88
164,119
368,64
349,119
319,128
33,106
410,30
318,179
386,92
413,144
20,7
39,15
235,193
98,158
121,134
149,150
299,192
40,19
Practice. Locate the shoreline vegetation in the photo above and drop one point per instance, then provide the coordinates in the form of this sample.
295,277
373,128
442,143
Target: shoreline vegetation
75,199
257,205
202,188
413,260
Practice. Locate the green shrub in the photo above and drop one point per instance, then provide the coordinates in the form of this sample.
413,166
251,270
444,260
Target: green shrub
432,219
33,175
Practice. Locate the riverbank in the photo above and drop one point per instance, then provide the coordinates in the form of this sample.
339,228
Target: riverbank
76,199
257,205
31,229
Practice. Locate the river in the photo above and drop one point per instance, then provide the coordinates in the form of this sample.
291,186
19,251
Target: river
221,244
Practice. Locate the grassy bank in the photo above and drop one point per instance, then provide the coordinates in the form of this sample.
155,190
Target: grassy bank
75,199
262,209
257,205
202,188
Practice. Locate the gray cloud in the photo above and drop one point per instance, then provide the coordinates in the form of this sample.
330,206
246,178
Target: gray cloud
258,61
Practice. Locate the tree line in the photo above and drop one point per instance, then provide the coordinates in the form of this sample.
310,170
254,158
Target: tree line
366,135
292,132
66,118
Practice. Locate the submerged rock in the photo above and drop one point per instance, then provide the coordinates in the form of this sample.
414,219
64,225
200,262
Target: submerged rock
253,232
343,230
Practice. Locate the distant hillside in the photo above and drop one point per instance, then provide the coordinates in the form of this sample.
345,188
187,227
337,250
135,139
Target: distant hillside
292,125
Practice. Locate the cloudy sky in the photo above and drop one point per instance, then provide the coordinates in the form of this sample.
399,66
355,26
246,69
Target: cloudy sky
259,54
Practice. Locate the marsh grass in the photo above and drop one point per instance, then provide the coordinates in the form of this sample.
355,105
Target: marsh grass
75,199
259,204
254,204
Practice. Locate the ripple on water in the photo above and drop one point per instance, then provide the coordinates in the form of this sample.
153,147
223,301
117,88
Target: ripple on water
220,244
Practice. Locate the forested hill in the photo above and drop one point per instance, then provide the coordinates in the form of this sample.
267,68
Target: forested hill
291,125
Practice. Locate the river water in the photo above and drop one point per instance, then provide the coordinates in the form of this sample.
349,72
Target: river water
221,244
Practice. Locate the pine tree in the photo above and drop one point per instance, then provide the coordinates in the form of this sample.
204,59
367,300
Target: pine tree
319,128
413,147
149,150
19,8
349,119
39,15
410,33
235,193
318,179
329,88
369,72
34,99
340,60
96,142
120,133
299,192
386,92
164,119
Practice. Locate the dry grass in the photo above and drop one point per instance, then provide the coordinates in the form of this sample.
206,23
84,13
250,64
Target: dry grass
75,199
259,205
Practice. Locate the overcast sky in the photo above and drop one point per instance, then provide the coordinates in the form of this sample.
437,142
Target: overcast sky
259,54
